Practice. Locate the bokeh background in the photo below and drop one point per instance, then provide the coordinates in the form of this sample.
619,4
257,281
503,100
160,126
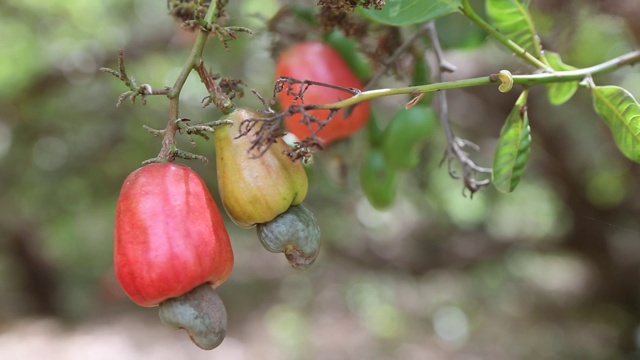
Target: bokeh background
548,272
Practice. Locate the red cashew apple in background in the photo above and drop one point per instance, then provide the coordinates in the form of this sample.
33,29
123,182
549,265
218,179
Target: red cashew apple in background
317,61
169,235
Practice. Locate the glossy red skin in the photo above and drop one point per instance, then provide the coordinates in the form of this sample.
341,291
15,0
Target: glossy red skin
169,235
314,60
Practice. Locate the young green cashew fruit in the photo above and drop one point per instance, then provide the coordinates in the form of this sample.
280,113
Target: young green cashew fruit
255,190
405,133
348,50
169,235
378,180
201,313
294,233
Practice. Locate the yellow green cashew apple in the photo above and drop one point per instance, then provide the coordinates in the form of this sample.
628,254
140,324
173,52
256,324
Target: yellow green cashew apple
255,190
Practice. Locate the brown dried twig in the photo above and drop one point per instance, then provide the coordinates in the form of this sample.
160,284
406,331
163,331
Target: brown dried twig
130,82
455,146
267,130
298,94
271,128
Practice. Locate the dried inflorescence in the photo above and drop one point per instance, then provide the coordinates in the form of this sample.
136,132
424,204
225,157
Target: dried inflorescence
350,5
271,128
315,123
266,130
339,14
388,42
186,11
218,95
232,87
351,26
303,149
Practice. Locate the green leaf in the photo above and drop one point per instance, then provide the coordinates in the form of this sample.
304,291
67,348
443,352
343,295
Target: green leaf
375,134
512,150
621,112
420,74
377,180
348,49
512,18
407,12
559,93
405,134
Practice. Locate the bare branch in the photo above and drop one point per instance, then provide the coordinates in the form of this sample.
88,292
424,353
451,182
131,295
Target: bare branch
455,148
298,94
267,108
396,54
135,90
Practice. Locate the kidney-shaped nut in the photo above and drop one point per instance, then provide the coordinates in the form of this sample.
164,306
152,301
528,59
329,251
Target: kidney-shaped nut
294,233
201,313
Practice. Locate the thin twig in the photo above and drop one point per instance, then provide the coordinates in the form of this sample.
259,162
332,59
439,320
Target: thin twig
266,106
387,63
630,58
216,95
455,145
305,84
130,82
396,54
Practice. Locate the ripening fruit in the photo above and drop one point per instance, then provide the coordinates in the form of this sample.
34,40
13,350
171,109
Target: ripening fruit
255,190
314,60
169,235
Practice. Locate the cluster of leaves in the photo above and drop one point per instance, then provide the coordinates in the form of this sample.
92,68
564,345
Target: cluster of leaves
511,23
618,108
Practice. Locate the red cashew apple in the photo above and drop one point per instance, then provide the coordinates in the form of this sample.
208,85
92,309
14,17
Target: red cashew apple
314,60
169,235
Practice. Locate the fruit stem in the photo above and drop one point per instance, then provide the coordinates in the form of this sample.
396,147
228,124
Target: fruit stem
195,57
